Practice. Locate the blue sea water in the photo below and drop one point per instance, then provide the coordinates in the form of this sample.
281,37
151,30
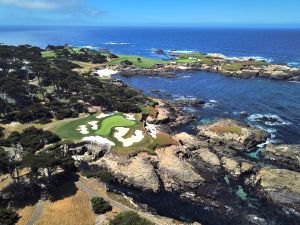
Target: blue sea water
226,97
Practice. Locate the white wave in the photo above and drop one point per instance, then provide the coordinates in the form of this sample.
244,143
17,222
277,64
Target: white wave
241,58
90,47
181,51
213,101
268,119
117,43
293,64
185,77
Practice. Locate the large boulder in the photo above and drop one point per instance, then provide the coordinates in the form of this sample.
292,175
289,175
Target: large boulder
280,186
189,141
176,173
285,155
137,172
233,134
208,157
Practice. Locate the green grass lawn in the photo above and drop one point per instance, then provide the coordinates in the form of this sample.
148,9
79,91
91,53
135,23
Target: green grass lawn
49,54
107,124
195,57
68,131
144,63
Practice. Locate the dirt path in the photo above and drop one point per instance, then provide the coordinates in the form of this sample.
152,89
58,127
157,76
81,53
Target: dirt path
37,213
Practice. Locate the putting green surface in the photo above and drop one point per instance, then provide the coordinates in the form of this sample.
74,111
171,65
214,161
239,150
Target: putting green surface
113,121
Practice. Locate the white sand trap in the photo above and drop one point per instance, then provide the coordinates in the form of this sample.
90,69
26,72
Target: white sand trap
99,140
94,125
106,73
83,129
129,116
151,129
103,115
122,131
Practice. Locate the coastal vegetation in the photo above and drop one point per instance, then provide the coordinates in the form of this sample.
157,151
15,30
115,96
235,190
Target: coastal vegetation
100,206
129,218
138,61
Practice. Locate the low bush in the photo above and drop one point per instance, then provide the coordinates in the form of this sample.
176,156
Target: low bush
129,218
100,206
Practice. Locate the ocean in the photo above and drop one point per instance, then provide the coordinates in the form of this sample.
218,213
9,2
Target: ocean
226,97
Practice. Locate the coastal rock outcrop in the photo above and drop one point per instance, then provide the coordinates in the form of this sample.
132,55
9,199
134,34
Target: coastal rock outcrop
176,173
280,186
208,157
189,141
87,151
137,172
233,134
287,156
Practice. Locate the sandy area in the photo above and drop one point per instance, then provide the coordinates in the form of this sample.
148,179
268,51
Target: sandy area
122,131
94,125
106,73
83,129
103,115
151,129
99,140
129,116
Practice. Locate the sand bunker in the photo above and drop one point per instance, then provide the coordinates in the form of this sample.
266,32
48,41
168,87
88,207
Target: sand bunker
83,129
99,140
106,73
122,131
94,125
129,116
103,115
151,129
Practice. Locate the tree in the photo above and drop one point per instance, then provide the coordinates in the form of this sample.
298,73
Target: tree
4,160
129,218
100,206
8,217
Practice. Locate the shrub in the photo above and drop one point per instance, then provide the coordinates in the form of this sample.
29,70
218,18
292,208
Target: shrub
129,218
8,217
126,63
100,206
1,132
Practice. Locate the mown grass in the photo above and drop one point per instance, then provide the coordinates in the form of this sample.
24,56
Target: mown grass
142,63
227,129
68,131
195,57
113,121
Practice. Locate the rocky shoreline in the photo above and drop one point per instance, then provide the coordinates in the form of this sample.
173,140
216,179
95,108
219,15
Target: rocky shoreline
270,71
208,169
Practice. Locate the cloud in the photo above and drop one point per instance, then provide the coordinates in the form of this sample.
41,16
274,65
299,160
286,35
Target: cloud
39,4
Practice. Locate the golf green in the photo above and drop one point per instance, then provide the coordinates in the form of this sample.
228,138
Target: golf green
109,123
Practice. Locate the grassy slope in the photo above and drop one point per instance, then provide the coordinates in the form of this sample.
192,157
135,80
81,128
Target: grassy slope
68,211
144,63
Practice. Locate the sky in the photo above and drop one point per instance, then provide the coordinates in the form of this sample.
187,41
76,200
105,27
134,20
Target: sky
281,13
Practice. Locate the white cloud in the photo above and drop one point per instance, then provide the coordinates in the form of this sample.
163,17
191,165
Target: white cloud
39,4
